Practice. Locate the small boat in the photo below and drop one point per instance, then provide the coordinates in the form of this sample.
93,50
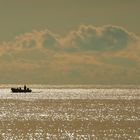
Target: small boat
20,90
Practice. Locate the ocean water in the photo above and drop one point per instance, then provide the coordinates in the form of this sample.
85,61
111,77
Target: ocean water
70,113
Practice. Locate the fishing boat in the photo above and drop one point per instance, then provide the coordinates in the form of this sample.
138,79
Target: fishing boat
21,90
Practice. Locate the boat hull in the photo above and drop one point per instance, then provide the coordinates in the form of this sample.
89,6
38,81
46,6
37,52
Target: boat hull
15,90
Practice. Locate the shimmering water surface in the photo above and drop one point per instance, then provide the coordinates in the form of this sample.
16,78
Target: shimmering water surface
56,113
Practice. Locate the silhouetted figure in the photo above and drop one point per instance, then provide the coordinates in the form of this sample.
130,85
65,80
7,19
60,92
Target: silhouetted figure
24,87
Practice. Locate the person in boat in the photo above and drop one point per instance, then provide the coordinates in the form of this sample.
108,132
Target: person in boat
24,87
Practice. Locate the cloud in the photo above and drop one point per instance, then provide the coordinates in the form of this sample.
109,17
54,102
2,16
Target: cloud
50,41
107,54
85,38
33,40
106,38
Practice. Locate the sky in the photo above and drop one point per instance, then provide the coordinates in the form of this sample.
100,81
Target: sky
70,41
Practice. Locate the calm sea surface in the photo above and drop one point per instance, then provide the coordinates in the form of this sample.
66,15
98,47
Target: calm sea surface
70,113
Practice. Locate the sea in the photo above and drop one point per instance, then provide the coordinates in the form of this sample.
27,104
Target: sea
70,112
